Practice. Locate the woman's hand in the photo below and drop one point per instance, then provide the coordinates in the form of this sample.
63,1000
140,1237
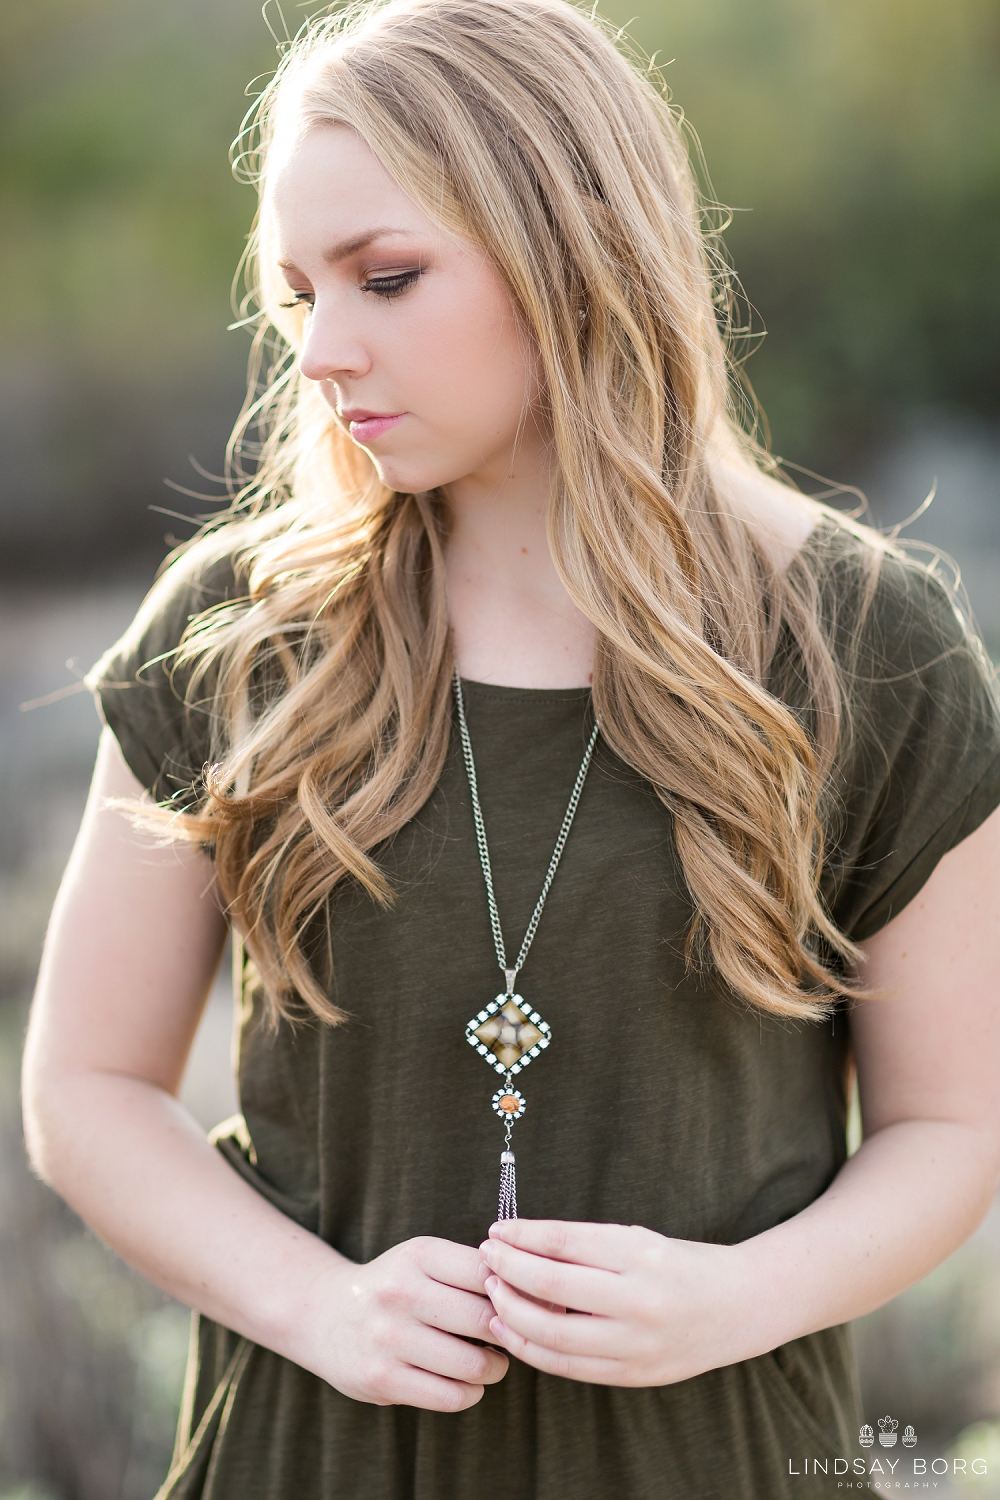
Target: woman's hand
646,1310
394,1332
131,953
650,1310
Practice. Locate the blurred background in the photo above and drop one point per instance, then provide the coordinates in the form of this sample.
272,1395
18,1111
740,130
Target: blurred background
857,143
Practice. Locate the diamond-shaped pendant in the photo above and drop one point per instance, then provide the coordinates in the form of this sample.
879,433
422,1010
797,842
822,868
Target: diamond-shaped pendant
508,1034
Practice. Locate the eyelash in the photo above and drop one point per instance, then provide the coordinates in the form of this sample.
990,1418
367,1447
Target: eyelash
392,286
386,287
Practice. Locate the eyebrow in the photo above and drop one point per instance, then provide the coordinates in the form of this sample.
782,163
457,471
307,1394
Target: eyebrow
343,248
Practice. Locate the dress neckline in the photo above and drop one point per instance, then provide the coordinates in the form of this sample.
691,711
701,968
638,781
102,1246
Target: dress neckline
481,691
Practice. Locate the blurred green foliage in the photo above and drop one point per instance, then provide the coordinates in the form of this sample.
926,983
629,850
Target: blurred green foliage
123,227
858,142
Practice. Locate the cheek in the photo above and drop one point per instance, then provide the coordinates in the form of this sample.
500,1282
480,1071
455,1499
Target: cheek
475,365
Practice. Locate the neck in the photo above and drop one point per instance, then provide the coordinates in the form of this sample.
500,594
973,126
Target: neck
512,621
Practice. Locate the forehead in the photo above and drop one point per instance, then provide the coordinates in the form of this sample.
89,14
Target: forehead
328,182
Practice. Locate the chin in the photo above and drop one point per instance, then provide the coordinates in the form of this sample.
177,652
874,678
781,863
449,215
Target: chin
412,477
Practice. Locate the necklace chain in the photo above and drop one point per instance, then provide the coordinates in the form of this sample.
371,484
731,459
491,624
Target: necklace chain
484,851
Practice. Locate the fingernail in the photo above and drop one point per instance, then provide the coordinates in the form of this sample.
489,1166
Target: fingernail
498,1329
486,1251
492,1282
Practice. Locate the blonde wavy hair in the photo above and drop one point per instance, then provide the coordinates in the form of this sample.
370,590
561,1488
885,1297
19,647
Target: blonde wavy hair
520,125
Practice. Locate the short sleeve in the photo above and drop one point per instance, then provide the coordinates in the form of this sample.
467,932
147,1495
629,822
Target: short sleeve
165,731
921,767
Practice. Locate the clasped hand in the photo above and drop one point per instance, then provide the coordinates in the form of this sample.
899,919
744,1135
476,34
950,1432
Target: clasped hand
615,1304
410,1328
608,1304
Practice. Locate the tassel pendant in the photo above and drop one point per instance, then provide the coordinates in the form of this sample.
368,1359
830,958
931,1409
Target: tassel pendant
508,1035
509,1104
508,1187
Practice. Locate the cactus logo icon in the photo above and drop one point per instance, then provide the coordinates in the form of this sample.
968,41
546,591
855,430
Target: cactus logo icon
887,1431
866,1437
909,1437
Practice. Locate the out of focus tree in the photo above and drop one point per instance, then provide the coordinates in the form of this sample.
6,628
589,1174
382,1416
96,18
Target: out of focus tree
859,143
857,140
123,226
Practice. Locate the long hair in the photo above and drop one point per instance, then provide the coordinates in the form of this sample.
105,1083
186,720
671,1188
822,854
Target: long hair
520,125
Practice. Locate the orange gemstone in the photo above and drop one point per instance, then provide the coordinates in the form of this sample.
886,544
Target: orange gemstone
509,1104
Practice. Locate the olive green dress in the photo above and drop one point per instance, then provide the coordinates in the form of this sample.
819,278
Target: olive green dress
662,1100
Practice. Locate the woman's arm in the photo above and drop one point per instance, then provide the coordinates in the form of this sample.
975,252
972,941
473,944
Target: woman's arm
928,1060
132,948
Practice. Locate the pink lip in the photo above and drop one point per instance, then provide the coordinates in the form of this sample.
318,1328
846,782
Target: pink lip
365,426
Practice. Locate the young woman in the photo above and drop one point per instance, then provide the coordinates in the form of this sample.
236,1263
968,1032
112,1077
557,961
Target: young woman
506,558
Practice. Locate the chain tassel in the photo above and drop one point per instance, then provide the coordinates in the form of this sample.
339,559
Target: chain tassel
508,1187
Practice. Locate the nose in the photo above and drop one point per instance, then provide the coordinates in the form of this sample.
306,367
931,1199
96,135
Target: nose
331,347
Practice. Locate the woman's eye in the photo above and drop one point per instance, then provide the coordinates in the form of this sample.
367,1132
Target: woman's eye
391,286
299,299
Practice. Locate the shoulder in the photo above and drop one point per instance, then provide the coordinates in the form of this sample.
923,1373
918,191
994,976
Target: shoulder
207,573
779,518
871,599
887,613
870,591
919,768
196,580
159,700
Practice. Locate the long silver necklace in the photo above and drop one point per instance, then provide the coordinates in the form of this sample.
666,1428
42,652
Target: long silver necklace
507,1033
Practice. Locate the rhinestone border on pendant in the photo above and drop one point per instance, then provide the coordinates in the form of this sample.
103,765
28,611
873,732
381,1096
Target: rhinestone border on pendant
485,1052
509,1104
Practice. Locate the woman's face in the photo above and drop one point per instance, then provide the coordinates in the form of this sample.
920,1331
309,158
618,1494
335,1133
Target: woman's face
410,332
